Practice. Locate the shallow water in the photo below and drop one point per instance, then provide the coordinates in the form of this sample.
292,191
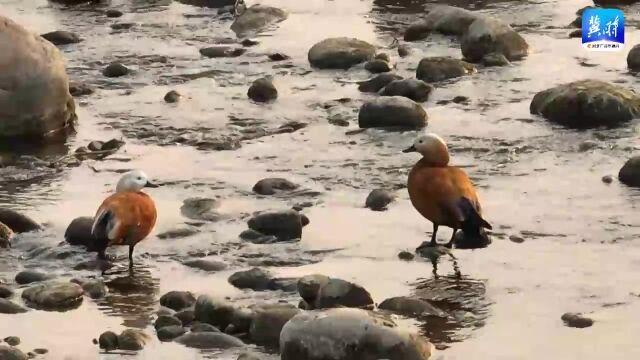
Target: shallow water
579,253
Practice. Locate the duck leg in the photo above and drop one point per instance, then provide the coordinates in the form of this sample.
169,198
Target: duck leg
453,236
131,256
433,235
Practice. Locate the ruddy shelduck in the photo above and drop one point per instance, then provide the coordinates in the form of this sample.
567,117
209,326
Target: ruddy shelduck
444,194
126,217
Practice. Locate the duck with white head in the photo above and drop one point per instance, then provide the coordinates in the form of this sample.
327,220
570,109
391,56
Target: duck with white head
444,194
125,217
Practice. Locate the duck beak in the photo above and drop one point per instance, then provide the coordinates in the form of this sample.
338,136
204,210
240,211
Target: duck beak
411,148
149,184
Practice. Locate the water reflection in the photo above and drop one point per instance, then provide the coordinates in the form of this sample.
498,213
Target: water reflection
462,297
132,295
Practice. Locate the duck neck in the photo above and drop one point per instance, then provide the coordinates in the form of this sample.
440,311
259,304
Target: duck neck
434,162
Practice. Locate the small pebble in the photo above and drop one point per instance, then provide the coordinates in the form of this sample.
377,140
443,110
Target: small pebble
172,97
576,320
12,340
516,239
113,13
249,42
607,179
404,50
115,69
406,256
40,351
460,99
279,57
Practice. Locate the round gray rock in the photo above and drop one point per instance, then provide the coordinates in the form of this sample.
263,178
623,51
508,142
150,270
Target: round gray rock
213,311
378,199
448,20
18,222
587,104
392,112
30,276
108,341
177,300
488,35
338,292
169,333
414,89
11,353
34,95
271,186
345,334
54,296
61,37
411,307
285,225
9,307
206,265
254,279
79,231
633,58
165,320
629,174
268,322
132,340
209,340
257,18
377,82
340,53
263,90
440,68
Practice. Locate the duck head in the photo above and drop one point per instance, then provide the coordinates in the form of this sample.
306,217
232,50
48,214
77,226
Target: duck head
433,149
134,181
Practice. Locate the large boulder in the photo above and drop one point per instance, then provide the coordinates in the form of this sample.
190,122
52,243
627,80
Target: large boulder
34,88
445,19
633,58
586,104
256,19
346,334
11,353
487,36
392,112
440,68
340,53
629,174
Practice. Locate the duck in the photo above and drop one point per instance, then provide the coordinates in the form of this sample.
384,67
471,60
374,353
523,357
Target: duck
126,217
444,194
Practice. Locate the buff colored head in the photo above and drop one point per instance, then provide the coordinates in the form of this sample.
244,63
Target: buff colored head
433,149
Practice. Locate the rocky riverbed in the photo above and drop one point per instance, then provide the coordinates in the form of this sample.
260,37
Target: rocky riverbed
283,214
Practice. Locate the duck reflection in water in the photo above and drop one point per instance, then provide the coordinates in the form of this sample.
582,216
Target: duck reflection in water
132,296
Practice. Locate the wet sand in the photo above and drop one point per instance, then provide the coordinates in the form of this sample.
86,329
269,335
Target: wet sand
579,253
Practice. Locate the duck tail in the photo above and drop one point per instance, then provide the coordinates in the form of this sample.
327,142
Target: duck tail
100,231
473,226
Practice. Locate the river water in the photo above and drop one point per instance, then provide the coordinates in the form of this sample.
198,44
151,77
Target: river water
579,253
